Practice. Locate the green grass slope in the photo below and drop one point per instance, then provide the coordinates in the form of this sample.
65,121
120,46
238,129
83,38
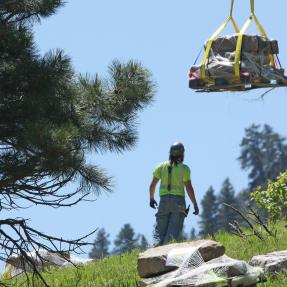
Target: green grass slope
120,271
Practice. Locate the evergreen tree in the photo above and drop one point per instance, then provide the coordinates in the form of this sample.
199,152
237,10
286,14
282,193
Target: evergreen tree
263,154
193,235
208,222
50,119
225,214
101,245
126,240
143,243
243,199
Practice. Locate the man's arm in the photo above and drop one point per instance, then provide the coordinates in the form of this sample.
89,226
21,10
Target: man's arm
152,187
152,192
190,192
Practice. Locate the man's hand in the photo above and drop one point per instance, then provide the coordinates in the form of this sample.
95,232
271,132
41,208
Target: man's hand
196,210
152,203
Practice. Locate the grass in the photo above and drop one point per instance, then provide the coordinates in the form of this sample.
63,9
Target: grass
245,249
120,271
117,271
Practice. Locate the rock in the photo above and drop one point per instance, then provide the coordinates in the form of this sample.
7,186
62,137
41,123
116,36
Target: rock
254,64
156,279
271,262
153,261
16,265
251,44
232,267
222,271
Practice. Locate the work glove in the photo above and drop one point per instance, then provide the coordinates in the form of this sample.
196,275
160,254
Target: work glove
196,210
153,204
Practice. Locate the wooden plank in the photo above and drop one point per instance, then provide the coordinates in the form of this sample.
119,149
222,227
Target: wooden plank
238,87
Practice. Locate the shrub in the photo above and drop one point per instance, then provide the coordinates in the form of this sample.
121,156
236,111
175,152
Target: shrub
274,198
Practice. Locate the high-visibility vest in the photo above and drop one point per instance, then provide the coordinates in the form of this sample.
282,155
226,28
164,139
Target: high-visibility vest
180,173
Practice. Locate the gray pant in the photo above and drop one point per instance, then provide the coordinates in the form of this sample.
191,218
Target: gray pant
169,219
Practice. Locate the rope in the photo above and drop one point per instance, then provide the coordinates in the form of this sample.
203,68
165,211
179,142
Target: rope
201,49
278,60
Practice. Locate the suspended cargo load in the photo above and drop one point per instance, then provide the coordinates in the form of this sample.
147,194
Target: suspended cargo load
238,62
255,68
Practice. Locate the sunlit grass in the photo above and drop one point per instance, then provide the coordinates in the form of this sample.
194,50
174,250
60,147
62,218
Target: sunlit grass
239,248
121,271
116,271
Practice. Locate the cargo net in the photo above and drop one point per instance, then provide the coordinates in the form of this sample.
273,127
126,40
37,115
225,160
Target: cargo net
193,271
259,65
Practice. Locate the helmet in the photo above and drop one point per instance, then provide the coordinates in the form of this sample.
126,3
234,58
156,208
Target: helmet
177,150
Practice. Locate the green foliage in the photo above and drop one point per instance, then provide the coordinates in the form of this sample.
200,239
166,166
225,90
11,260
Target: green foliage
263,154
245,249
225,214
126,240
243,199
143,243
121,271
51,118
115,271
279,281
28,10
101,245
274,197
209,210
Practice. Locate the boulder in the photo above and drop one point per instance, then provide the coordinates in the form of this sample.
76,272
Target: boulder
232,267
255,68
251,44
222,271
153,261
271,262
16,265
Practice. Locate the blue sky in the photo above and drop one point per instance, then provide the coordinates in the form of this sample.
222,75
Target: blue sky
166,37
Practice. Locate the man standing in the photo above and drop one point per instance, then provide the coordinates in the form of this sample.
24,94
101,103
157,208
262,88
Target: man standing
175,178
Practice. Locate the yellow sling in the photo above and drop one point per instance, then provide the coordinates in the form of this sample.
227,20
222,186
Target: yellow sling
240,40
213,37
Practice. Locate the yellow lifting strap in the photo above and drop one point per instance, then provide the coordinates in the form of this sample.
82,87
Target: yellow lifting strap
213,37
240,40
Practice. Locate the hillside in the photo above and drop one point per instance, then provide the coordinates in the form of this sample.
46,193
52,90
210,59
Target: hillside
120,271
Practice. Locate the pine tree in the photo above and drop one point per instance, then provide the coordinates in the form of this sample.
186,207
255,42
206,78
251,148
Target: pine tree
263,154
101,245
126,240
225,214
243,199
208,223
143,243
51,119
